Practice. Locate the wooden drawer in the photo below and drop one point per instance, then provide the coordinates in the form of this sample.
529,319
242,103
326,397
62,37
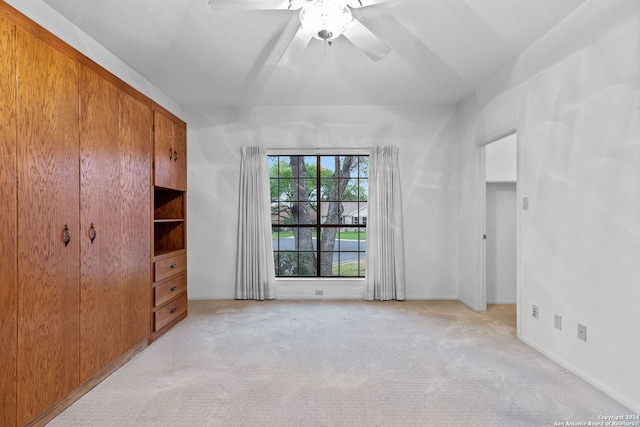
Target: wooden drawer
169,289
170,311
170,267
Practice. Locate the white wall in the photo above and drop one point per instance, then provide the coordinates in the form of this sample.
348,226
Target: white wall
500,253
56,24
500,157
577,97
427,140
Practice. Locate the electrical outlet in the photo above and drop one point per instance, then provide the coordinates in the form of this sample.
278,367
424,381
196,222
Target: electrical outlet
557,322
534,311
582,332
525,203
319,292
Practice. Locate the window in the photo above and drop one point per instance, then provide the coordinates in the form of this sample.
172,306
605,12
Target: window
316,202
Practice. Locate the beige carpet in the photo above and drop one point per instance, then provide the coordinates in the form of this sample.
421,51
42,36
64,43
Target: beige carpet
340,363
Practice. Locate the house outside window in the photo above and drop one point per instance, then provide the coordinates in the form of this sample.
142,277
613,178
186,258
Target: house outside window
317,206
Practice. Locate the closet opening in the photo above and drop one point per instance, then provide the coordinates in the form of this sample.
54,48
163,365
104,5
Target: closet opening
500,202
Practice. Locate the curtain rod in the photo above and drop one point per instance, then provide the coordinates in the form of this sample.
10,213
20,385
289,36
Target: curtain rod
312,151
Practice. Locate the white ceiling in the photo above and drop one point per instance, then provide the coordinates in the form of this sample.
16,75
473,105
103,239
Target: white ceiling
441,49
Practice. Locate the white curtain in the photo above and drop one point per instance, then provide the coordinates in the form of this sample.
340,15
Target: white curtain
255,272
385,241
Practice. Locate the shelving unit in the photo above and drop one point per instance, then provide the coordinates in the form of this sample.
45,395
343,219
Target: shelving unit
169,259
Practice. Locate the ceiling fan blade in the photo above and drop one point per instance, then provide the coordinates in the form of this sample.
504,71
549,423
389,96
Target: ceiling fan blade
257,4
296,47
365,40
363,3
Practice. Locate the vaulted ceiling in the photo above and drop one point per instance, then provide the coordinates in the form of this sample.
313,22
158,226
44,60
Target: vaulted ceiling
200,56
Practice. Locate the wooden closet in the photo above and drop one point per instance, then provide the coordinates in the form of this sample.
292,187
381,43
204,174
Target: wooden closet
76,198
8,221
48,225
115,172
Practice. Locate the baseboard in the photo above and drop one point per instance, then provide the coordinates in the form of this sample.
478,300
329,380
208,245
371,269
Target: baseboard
623,400
211,297
297,296
431,298
55,410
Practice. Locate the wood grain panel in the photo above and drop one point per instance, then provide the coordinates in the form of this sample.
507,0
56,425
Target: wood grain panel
172,310
48,271
135,134
179,178
163,150
101,277
8,223
170,267
168,290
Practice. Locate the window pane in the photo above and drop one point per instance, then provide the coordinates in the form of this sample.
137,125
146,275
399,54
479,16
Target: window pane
272,161
307,264
286,263
328,164
304,238
283,240
349,264
362,240
332,212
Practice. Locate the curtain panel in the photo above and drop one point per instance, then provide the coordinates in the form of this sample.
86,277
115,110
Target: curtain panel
255,271
385,278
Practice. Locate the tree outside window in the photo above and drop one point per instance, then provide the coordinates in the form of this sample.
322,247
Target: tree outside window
318,211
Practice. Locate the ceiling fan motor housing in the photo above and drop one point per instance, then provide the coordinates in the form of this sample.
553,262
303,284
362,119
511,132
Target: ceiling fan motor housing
325,19
325,34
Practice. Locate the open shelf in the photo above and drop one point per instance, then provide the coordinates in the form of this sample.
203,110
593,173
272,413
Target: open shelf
168,204
168,220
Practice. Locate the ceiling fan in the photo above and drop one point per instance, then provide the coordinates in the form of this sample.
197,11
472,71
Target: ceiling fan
323,20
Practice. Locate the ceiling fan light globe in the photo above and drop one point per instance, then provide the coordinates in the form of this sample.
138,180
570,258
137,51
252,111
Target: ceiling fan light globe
325,19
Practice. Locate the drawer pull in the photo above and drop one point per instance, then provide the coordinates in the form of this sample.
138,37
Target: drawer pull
173,289
173,310
175,156
172,266
92,233
170,154
67,235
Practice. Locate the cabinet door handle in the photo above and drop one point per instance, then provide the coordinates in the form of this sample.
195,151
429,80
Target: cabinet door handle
172,266
67,235
173,289
92,233
175,156
170,154
173,310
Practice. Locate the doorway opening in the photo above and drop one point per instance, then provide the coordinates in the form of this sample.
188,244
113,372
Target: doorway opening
501,226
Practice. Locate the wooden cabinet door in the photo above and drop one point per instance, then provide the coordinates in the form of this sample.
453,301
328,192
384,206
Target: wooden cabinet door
48,270
8,221
135,134
100,231
170,148
163,150
180,157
